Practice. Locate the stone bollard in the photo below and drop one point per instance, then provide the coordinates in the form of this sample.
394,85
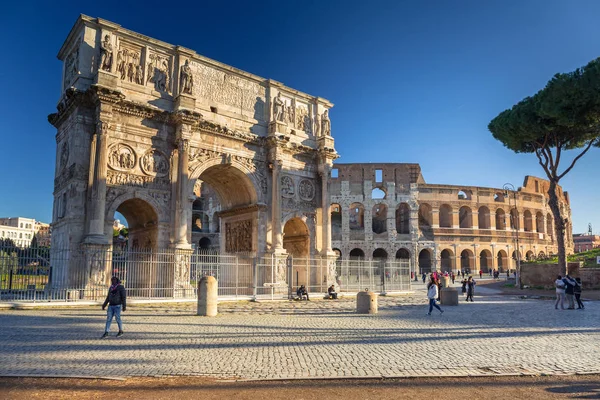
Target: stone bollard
207,296
366,302
449,296
445,281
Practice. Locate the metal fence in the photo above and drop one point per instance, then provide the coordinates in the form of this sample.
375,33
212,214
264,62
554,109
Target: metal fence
80,274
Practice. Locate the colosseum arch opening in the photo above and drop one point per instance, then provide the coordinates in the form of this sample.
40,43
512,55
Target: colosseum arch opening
425,261
379,218
403,219
445,216
527,221
403,254
485,260
357,254
336,222
465,217
447,260
357,217
467,261
500,219
502,261
484,218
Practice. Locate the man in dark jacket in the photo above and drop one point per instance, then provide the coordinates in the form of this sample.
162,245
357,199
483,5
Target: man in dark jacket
117,301
569,291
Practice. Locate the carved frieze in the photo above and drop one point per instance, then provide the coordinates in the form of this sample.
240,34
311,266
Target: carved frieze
232,90
238,236
288,189
129,63
121,157
159,72
162,198
125,179
306,190
294,204
203,155
154,163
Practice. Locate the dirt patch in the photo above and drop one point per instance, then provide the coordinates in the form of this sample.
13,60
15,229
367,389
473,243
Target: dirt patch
539,388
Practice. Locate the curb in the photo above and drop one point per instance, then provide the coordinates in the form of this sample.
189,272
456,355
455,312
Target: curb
106,378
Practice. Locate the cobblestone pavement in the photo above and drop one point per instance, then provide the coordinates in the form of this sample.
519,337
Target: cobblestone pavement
495,335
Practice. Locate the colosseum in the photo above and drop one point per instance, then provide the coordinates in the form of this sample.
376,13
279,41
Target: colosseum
388,210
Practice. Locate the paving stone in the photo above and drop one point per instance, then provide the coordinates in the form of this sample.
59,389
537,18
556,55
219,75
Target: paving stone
493,336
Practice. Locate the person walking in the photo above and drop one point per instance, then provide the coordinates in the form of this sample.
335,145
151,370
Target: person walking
577,291
559,284
432,294
464,286
453,277
117,302
569,293
423,276
480,274
470,288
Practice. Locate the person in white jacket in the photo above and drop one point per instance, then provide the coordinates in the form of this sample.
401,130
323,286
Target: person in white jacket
559,284
432,295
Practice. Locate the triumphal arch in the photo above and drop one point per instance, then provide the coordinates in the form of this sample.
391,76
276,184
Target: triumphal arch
142,125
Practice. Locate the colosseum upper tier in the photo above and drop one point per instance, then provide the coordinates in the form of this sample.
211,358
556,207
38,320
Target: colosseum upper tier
388,211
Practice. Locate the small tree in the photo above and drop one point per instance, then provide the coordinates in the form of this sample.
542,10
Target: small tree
565,115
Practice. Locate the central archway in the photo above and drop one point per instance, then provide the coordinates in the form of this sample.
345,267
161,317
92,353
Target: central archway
237,215
296,238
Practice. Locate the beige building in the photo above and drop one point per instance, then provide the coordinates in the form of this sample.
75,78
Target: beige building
389,211
18,229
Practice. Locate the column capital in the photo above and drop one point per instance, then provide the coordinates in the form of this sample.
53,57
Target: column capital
183,145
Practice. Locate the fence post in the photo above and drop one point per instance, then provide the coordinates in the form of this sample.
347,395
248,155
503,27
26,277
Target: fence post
254,277
237,266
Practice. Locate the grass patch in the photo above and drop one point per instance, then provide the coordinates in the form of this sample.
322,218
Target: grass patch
588,258
509,285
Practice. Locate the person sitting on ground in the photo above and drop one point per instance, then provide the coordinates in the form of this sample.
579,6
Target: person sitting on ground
302,293
331,292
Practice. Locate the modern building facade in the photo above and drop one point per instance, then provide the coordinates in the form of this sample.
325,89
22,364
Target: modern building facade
22,231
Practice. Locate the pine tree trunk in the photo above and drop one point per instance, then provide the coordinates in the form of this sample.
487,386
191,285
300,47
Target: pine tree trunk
559,227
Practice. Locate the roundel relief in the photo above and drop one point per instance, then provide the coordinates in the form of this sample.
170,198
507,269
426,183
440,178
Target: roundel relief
154,163
121,157
306,190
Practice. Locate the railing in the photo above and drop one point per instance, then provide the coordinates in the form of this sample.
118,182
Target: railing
83,273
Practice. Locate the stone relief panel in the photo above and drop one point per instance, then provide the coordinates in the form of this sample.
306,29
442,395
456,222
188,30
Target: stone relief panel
225,88
129,63
106,54
71,65
121,157
238,236
288,189
303,122
154,163
159,72
306,190
64,155
125,179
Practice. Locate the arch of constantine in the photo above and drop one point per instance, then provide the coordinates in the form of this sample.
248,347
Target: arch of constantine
198,154
143,125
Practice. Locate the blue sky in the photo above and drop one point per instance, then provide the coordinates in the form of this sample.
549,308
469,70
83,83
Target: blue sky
412,81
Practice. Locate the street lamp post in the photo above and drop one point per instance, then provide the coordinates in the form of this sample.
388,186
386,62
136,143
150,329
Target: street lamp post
507,187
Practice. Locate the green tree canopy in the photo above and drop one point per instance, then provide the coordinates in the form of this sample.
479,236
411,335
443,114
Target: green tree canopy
565,115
